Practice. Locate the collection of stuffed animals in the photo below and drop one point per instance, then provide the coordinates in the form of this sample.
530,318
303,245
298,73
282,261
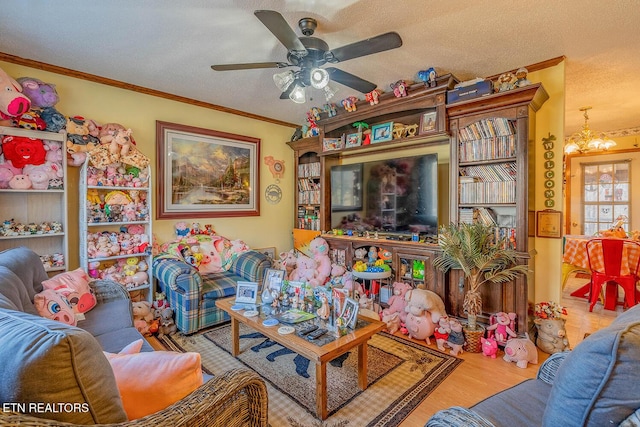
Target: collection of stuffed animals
154,318
420,313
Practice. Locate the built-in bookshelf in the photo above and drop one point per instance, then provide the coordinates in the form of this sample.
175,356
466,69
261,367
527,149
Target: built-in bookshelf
492,140
308,182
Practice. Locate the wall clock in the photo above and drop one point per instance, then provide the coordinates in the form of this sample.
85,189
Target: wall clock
275,166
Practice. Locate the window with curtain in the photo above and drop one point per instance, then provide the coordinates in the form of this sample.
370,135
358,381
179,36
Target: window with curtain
605,194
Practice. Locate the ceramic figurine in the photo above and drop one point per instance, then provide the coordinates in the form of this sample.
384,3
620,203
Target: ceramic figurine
324,311
521,77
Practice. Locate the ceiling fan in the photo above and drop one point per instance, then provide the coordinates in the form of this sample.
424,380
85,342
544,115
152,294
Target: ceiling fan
309,54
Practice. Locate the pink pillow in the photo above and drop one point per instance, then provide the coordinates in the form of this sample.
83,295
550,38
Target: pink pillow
74,286
151,381
54,306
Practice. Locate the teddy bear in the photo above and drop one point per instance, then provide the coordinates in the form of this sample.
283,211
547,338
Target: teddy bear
319,248
79,140
167,324
397,302
502,329
420,300
142,316
305,269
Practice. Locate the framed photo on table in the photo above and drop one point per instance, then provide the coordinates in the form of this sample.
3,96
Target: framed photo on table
247,293
273,279
203,173
350,312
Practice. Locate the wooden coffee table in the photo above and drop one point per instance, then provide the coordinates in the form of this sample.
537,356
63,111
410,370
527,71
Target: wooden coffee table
319,355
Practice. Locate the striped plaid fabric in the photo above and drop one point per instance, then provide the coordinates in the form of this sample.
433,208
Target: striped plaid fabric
193,297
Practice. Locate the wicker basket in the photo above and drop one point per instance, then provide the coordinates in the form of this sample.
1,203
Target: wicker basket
472,339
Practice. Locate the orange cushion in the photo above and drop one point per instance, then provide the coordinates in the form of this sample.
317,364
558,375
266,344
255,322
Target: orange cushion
151,381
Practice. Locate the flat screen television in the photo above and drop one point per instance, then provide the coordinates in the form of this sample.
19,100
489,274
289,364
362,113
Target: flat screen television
396,196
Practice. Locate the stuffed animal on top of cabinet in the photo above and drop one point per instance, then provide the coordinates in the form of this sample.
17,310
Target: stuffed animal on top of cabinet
13,102
40,93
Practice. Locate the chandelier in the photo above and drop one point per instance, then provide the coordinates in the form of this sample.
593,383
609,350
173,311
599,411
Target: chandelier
587,139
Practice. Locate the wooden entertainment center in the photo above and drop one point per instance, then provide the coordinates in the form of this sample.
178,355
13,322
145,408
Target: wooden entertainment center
489,143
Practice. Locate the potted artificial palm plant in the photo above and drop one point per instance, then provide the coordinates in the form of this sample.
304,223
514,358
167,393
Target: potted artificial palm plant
473,249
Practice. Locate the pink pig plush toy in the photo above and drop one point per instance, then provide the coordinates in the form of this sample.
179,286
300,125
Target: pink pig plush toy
489,347
12,102
54,306
74,287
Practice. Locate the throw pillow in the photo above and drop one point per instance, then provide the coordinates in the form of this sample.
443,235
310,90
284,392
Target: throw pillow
594,384
167,376
58,365
54,306
74,286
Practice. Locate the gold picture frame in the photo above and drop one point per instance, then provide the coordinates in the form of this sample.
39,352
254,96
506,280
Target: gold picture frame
549,224
204,173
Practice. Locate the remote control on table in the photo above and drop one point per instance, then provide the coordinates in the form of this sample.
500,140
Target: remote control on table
308,329
317,333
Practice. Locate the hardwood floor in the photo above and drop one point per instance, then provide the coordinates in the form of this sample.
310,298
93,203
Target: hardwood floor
479,377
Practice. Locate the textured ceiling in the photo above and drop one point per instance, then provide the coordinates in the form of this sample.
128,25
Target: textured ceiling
170,45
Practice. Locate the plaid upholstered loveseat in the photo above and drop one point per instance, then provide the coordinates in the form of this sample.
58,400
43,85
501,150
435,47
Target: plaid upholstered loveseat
193,295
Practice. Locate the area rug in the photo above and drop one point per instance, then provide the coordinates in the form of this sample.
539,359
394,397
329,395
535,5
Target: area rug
401,374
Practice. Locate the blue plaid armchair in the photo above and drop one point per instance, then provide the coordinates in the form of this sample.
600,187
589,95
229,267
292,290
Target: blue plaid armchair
193,296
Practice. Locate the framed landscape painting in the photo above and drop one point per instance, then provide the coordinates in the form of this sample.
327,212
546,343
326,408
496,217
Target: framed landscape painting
204,173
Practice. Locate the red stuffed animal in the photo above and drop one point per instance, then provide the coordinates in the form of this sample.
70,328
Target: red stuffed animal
23,151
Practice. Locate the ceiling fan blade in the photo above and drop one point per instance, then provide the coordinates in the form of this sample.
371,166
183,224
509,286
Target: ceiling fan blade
375,44
279,27
250,66
350,80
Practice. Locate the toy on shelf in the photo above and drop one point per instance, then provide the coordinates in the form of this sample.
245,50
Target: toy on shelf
330,109
399,89
349,104
521,77
373,97
428,76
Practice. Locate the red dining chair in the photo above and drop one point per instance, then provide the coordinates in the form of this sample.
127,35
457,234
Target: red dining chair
606,258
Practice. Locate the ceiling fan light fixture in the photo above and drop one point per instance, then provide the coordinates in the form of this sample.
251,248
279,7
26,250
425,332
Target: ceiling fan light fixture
298,95
319,78
283,80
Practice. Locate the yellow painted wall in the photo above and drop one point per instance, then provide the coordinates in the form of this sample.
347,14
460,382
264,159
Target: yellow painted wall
547,255
139,112
273,227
